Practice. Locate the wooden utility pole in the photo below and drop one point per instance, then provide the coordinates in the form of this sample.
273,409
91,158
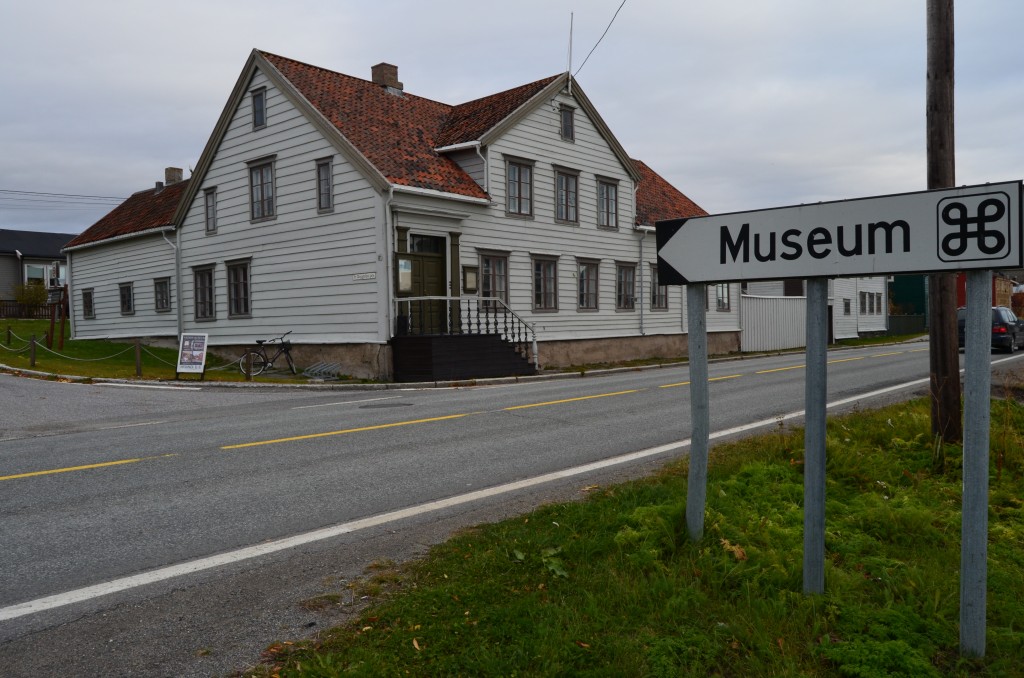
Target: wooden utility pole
942,330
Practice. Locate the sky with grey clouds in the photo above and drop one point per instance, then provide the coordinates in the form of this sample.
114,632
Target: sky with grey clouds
741,105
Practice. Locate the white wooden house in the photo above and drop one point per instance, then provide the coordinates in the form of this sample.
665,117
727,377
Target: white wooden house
774,311
358,216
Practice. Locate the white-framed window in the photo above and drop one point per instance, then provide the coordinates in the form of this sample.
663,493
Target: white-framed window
520,187
324,185
625,287
210,209
494,277
567,189
205,309
259,108
88,304
545,284
238,289
607,204
126,293
659,293
261,190
589,274
846,307
162,295
567,122
722,297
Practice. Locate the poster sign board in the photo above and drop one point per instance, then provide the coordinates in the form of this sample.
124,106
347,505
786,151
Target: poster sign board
192,354
971,227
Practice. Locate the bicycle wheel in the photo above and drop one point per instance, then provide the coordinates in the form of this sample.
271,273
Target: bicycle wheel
291,363
259,362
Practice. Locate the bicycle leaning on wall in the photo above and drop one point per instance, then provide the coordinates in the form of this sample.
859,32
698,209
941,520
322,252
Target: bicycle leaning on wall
257,358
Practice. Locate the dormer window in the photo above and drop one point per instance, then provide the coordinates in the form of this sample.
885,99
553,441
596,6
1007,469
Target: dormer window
568,124
259,108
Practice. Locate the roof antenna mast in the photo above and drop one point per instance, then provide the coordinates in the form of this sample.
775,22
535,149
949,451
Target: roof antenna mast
568,69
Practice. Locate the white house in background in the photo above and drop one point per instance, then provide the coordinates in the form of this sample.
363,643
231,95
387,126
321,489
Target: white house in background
774,311
357,216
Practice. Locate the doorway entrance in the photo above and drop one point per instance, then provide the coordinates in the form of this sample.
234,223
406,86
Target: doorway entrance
422,272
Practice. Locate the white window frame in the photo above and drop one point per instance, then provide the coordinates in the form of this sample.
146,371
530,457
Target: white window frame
262,190
239,291
588,288
607,203
204,309
517,204
625,287
162,296
545,283
567,196
127,302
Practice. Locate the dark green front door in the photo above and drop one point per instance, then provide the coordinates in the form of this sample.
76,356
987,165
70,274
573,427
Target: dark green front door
422,273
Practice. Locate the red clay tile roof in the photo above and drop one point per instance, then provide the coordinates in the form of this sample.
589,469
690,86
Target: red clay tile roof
469,121
396,133
143,211
657,199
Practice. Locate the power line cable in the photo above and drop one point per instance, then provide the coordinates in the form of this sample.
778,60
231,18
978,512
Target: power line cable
600,39
62,195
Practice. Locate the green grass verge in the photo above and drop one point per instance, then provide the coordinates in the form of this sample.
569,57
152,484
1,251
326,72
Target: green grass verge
107,359
611,586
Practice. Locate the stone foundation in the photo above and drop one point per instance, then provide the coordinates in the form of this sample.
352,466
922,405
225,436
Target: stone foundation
360,361
560,354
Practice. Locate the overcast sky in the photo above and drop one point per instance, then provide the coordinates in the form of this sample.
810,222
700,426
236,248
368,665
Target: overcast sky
741,105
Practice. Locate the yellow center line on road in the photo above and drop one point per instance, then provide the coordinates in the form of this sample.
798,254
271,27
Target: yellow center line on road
782,369
412,422
882,355
917,350
684,383
845,360
360,429
85,467
568,400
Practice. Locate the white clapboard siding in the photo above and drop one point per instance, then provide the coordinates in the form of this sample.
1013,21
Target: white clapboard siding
537,138
302,263
103,268
773,323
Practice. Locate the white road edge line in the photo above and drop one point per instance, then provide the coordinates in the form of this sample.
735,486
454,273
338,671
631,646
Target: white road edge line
266,548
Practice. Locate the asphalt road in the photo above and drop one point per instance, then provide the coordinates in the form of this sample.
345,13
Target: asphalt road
159,532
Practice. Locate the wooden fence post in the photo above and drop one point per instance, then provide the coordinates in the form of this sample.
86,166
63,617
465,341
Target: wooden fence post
248,366
32,351
138,357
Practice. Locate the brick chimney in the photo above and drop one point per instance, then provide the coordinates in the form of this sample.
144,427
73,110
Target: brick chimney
172,175
386,75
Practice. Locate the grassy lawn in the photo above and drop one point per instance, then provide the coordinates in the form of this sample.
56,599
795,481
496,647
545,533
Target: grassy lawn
611,586
110,359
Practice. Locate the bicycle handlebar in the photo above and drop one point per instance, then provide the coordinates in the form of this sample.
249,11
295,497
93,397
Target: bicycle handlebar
276,339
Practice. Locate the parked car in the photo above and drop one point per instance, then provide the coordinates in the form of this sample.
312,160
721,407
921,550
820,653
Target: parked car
1007,328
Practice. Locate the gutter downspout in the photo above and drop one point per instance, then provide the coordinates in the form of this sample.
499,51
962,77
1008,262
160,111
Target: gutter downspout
177,277
487,169
71,287
643,236
389,256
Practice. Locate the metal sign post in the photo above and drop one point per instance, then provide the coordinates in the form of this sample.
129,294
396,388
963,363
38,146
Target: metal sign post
700,408
974,511
973,228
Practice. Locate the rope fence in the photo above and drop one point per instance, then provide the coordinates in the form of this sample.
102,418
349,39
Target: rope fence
32,344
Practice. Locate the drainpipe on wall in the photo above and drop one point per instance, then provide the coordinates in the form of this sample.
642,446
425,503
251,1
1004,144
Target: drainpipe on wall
643,236
177,277
389,256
